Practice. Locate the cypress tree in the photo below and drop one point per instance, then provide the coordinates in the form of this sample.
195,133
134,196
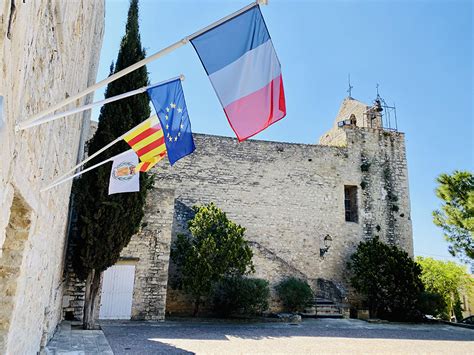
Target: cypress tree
105,224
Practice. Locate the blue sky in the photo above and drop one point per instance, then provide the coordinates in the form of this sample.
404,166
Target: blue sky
419,52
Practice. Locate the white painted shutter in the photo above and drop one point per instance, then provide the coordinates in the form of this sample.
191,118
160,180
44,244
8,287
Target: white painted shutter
117,292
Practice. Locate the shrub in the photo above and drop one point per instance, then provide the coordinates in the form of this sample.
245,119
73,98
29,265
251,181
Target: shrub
447,279
388,278
294,293
239,295
458,310
433,304
215,249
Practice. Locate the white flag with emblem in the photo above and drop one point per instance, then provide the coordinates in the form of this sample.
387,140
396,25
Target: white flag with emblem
124,177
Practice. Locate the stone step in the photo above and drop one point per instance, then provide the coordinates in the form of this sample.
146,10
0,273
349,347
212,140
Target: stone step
318,300
328,309
322,308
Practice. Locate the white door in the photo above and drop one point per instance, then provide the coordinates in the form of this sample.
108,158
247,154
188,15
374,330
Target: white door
117,292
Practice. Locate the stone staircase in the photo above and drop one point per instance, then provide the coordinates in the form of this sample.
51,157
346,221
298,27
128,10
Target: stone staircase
322,308
327,309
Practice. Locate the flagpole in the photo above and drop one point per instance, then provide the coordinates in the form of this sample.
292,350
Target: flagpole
137,65
76,174
99,151
25,125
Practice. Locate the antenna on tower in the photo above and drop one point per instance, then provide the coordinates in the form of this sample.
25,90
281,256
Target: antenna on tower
349,90
377,87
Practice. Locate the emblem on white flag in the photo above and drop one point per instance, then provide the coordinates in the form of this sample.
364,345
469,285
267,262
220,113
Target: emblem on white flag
124,177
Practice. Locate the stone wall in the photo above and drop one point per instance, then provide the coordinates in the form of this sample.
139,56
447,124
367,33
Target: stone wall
289,196
151,248
48,51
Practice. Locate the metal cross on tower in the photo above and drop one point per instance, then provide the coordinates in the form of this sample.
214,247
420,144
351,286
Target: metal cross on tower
349,90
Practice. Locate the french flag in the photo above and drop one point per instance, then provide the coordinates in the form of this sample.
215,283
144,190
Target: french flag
240,60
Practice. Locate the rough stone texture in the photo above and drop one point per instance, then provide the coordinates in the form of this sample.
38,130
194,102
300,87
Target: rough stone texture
359,115
48,51
288,197
151,246
149,251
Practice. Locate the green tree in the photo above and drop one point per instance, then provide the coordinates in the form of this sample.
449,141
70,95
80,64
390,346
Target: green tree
456,216
447,279
388,278
215,249
106,223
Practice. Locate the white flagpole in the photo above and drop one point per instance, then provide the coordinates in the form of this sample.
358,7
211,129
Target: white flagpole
26,125
76,174
98,152
139,64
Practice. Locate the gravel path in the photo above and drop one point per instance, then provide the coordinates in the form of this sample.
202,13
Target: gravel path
313,336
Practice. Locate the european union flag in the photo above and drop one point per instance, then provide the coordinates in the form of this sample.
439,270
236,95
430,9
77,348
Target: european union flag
170,106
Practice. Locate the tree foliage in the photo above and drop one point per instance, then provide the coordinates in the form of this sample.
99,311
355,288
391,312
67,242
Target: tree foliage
215,249
294,293
456,216
388,278
240,295
447,279
431,303
106,223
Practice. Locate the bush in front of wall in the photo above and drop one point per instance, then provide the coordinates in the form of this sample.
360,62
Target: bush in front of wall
240,295
432,303
294,293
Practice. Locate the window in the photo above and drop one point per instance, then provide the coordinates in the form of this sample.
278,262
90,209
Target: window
350,203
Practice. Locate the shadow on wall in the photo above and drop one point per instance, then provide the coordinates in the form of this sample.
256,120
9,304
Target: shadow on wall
182,214
331,291
13,248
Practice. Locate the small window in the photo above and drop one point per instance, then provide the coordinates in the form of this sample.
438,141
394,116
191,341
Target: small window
350,203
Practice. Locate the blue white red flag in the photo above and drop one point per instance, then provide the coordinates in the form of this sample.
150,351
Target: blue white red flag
170,106
241,63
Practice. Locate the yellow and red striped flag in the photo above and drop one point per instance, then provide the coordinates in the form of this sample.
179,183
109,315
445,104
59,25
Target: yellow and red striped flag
144,166
147,139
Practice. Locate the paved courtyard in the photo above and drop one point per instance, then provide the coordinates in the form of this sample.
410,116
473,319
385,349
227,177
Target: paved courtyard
313,336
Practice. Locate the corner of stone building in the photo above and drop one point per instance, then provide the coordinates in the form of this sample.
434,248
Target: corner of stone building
151,248
385,201
352,113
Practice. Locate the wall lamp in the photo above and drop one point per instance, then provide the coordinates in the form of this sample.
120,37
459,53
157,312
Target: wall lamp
327,244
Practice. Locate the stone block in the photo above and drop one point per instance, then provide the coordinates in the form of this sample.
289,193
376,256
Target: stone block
363,314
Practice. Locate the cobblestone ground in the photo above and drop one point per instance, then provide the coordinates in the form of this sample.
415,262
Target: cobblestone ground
314,336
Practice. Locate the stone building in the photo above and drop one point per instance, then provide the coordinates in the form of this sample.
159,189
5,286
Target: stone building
305,208
49,50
